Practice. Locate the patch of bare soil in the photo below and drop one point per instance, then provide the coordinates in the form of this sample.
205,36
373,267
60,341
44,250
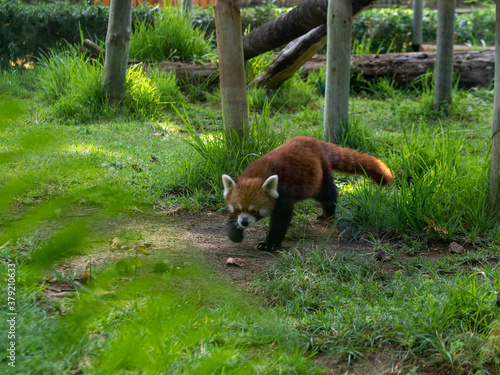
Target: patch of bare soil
184,234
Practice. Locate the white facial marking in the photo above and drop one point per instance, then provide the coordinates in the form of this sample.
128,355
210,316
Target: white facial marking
246,220
231,207
263,212
239,206
250,208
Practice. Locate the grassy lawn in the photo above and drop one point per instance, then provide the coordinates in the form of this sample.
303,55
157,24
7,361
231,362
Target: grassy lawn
81,182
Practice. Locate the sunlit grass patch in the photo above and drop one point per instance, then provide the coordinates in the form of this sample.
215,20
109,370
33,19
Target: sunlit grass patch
73,84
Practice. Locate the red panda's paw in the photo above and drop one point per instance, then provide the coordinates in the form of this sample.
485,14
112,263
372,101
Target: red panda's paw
235,234
234,231
267,246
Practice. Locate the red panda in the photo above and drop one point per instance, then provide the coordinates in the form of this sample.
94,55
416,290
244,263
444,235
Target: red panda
301,168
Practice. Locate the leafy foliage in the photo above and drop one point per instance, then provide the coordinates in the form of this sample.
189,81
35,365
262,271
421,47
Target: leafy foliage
375,25
28,30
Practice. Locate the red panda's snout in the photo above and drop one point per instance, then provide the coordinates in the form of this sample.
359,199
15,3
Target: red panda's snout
250,201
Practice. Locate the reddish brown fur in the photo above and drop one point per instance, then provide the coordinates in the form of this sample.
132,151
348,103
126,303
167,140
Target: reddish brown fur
299,169
299,165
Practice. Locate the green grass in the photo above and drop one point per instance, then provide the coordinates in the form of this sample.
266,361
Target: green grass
223,153
63,152
182,321
351,306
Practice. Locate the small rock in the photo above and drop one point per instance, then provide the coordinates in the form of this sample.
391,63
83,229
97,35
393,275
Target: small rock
381,256
455,248
116,243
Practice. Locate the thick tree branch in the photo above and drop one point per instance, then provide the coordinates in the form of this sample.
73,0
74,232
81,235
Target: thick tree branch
291,25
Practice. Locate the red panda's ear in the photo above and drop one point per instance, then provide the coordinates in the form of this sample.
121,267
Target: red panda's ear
228,183
271,186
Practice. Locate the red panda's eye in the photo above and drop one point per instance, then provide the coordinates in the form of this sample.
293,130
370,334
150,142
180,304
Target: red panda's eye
253,212
238,211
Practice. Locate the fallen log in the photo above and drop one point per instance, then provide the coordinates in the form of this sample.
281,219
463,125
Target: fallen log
291,25
304,27
291,58
474,68
185,72
189,72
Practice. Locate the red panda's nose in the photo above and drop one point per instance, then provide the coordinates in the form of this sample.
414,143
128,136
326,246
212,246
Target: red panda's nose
244,222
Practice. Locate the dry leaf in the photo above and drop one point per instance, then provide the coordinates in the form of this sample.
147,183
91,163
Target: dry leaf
116,243
85,277
238,262
433,225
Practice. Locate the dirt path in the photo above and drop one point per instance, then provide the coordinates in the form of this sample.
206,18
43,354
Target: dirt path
172,238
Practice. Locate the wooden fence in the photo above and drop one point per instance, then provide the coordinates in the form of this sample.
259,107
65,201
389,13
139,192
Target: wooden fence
201,3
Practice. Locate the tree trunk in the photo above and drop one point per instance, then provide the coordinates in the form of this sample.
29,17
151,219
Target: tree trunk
231,66
291,25
117,46
416,29
443,79
338,67
495,124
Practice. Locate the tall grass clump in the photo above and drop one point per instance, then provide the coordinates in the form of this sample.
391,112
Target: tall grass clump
440,190
73,83
224,153
293,94
170,37
148,93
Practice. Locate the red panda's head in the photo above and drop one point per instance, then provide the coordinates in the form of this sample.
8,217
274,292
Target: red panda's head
250,200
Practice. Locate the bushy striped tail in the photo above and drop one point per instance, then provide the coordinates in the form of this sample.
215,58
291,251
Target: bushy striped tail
350,161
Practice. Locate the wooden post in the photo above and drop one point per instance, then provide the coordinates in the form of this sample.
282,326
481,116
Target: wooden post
495,124
187,8
416,30
443,76
338,68
231,66
117,47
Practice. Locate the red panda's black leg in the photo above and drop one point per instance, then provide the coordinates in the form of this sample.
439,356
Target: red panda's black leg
234,232
278,224
327,196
